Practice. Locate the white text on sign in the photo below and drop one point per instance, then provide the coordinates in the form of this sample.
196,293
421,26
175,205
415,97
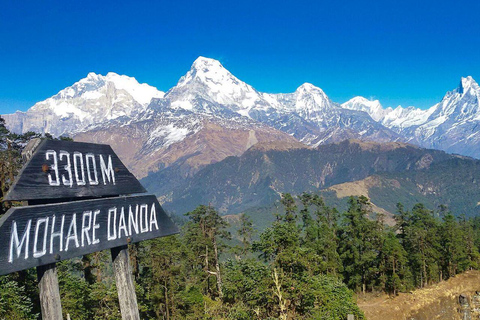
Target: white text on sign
79,169
56,233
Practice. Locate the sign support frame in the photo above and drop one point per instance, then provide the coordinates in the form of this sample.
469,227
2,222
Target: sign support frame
49,292
127,297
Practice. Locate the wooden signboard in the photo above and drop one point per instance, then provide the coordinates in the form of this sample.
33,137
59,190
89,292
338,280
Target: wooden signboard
43,234
66,169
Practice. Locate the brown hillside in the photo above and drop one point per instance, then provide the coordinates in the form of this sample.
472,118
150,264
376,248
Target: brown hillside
212,143
438,301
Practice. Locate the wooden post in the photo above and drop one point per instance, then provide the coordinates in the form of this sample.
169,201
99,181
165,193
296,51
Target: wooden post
49,292
125,287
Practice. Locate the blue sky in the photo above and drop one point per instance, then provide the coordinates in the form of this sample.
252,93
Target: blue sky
400,52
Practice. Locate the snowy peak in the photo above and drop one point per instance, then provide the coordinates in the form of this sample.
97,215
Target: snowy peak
210,88
461,103
206,70
90,88
206,64
362,102
466,84
93,100
311,98
372,107
141,92
310,89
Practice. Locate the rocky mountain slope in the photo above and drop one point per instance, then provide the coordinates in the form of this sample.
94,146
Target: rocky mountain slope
257,177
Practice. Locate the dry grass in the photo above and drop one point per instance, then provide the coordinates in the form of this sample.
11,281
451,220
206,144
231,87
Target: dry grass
438,301
361,188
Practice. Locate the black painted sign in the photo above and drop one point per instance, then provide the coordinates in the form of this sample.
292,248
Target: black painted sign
37,235
66,169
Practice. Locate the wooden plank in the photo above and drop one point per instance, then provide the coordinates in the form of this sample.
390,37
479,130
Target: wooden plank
66,169
49,292
43,234
124,282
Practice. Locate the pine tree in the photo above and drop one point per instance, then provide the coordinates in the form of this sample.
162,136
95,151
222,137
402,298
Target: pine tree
359,239
394,266
320,235
245,233
452,246
471,250
421,241
204,232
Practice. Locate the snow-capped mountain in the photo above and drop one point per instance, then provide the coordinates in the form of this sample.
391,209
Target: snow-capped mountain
451,125
373,108
90,101
310,116
210,114
209,88
307,114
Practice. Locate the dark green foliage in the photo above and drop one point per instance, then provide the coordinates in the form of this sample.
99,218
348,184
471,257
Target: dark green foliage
249,282
298,258
394,273
320,235
74,290
335,301
421,241
452,247
245,232
15,304
360,241
307,264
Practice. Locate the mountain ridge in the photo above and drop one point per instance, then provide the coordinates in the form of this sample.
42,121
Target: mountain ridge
113,109
258,177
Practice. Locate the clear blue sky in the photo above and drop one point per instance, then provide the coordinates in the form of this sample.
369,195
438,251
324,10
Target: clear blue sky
400,52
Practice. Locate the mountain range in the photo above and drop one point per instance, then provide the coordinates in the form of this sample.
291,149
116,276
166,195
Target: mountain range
174,137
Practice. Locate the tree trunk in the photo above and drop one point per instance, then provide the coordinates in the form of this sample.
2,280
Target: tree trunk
394,283
166,300
217,268
425,272
49,292
126,289
207,268
87,269
278,293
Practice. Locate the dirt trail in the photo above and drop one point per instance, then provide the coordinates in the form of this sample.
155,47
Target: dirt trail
438,301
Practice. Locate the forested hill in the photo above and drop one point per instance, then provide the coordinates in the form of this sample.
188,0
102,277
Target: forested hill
263,172
454,183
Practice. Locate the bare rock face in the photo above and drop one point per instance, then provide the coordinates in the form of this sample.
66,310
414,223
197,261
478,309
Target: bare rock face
152,145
